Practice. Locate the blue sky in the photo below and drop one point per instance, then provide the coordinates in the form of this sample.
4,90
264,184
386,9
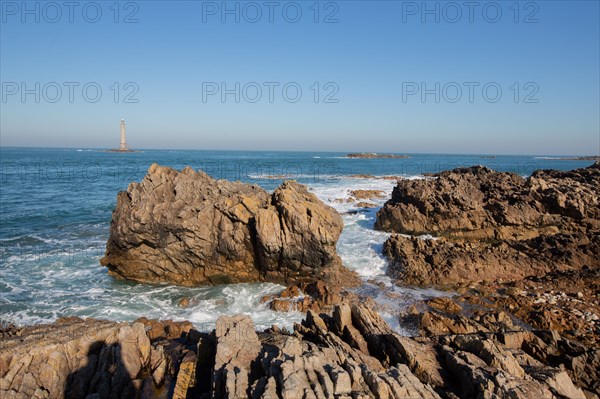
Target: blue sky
362,77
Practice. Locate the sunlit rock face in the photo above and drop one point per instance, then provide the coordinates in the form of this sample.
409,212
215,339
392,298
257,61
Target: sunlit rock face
186,228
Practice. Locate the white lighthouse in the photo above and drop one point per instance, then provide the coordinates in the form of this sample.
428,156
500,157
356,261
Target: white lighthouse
123,146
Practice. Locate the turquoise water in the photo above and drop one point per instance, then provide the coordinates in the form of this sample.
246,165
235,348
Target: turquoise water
55,211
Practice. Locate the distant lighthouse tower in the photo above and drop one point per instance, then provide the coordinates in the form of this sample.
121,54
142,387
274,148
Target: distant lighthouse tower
123,146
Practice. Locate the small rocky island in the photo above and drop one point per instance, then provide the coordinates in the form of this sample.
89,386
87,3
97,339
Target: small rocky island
521,258
373,155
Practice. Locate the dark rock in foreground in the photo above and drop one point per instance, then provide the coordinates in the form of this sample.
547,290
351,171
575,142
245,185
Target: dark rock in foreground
189,229
75,358
351,354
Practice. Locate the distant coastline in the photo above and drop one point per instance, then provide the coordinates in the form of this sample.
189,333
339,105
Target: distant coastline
587,158
374,155
582,158
323,154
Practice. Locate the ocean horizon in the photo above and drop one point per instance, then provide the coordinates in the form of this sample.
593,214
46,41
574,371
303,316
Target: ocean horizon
341,152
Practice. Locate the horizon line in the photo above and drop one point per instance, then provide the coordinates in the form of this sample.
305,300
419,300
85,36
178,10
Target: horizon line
304,151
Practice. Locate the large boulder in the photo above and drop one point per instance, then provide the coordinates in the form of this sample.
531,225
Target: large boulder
480,203
186,228
492,225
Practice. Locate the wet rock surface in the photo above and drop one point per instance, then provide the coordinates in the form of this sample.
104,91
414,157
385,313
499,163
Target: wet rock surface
186,228
317,296
349,353
359,197
367,194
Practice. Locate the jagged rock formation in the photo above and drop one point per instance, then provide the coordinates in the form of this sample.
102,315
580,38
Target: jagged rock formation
316,296
189,229
351,354
75,358
493,225
567,302
479,203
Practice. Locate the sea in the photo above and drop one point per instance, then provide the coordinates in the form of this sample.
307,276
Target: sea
55,213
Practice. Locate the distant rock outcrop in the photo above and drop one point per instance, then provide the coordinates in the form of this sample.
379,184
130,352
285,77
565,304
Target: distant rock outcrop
584,158
186,228
372,155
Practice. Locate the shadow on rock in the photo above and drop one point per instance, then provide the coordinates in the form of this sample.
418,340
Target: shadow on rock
105,375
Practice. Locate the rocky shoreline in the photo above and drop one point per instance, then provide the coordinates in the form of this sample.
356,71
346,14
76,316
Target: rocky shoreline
351,353
520,257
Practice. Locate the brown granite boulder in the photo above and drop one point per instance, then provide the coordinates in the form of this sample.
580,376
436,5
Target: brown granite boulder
367,194
316,296
186,228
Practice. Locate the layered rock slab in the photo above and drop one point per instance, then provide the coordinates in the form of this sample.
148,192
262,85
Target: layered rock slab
186,228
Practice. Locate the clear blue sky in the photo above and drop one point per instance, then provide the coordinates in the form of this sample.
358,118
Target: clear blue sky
375,56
